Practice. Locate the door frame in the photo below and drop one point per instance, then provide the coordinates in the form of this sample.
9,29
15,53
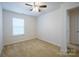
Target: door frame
68,24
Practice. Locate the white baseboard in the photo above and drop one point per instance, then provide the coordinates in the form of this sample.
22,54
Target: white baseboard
19,41
49,42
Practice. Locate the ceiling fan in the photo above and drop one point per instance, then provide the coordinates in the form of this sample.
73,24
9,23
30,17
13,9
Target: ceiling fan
36,6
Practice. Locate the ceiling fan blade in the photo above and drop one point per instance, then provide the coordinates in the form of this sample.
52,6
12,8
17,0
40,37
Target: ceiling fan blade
28,4
43,6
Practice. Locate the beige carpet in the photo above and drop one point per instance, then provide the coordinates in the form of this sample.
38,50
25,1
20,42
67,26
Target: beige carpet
31,48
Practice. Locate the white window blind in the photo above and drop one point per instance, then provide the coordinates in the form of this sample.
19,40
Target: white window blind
18,26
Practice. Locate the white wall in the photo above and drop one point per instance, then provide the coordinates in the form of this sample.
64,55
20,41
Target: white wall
53,27
30,27
1,32
50,27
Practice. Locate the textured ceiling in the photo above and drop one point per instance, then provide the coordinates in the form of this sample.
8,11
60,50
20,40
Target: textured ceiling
20,7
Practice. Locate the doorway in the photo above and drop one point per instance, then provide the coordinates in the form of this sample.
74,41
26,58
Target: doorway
73,46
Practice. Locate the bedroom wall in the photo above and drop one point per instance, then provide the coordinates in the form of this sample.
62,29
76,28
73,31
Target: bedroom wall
50,27
29,27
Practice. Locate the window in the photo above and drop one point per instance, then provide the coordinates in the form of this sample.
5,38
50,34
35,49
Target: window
18,26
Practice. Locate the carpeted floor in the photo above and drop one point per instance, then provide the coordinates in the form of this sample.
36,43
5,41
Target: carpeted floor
31,48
